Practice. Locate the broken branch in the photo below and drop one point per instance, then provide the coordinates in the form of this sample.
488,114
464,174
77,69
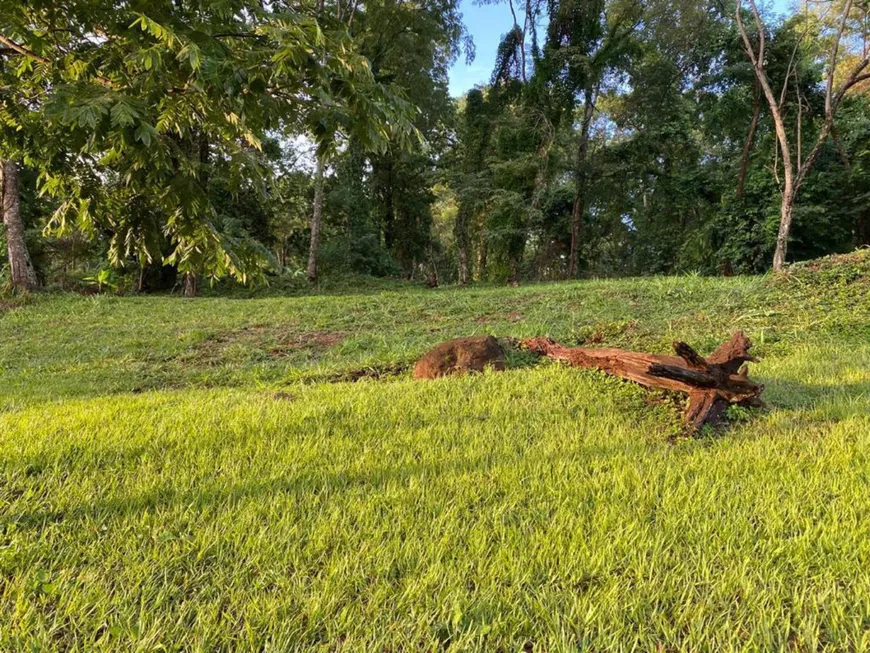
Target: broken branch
712,383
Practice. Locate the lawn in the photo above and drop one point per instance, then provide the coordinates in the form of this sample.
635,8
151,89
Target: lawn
204,475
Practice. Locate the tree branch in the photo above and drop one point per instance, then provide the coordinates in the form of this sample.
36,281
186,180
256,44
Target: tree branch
20,49
27,52
236,35
855,77
829,88
760,26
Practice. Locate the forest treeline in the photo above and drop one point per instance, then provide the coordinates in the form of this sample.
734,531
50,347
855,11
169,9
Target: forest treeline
148,145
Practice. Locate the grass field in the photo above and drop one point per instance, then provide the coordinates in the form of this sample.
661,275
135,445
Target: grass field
202,475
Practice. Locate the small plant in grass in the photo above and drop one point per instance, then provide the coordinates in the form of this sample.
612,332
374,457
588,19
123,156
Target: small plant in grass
737,413
102,279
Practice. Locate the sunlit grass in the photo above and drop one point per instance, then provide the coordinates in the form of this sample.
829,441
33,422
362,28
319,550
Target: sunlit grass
228,505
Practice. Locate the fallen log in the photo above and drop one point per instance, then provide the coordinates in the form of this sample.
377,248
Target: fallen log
712,383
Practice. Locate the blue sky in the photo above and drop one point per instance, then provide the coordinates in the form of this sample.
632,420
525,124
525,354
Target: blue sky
487,25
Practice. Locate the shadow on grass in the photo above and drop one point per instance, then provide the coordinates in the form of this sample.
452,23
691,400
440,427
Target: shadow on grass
789,394
839,401
306,483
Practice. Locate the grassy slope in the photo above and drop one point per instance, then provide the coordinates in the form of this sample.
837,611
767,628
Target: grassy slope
166,476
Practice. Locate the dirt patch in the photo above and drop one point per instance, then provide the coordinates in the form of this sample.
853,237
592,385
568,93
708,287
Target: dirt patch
376,373
254,341
14,303
313,340
513,316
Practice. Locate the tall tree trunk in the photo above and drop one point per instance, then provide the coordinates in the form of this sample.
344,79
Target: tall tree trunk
522,33
190,284
580,175
788,194
844,157
750,137
514,262
785,216
316,221
432,276
23,275
385,196
483,255
463,244
795,176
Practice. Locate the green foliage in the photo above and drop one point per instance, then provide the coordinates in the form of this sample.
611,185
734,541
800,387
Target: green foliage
128,129
185,135
673,103
104,278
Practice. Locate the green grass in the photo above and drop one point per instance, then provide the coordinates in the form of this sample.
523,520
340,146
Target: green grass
184,475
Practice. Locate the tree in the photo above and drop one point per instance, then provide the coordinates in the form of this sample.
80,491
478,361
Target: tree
316,222
168,138
21,270
149,101
794,170
474,138
409,46
585,38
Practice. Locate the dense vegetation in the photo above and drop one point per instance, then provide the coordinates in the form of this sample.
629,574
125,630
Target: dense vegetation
202,476
150,143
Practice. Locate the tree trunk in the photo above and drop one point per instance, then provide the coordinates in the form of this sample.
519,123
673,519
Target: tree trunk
785,216
384,196
316,220
432,272
22,272
712,383
514,268
580,174
844,157
542,172
788,191
522,33
190,285
482,257
795,176
750,137
463,244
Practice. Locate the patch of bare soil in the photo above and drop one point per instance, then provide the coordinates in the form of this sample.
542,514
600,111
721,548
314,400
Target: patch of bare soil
376,373
312,340
513,316
275,341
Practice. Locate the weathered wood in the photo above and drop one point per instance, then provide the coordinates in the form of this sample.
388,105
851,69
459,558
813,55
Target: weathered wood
705,408
712,383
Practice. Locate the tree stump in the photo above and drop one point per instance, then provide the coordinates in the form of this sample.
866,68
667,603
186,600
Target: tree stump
712,383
